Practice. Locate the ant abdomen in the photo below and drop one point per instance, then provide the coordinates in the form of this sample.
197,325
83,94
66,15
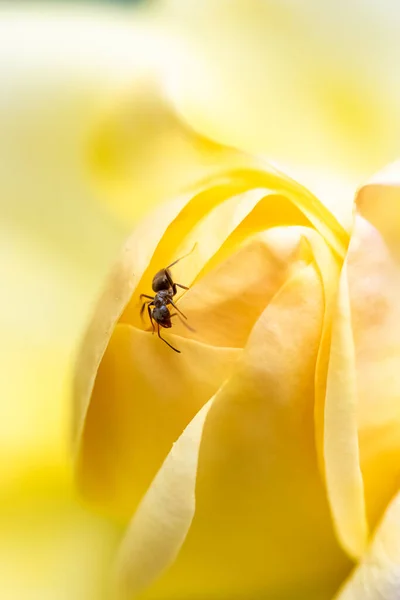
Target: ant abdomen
162,316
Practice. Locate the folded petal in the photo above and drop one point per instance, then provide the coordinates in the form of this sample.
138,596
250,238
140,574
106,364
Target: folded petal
142,152
377,577
230,296
379,202
341,451
374,291
362,416
225,303
253,74
163,518
246,199
156,236
261,523
203,226
144,396
123,279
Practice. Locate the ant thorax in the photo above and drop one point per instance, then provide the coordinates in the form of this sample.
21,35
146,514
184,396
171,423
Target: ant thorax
163,297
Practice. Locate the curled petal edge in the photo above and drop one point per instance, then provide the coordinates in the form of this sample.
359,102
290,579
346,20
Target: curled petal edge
163,518
377,576
341,448
379,202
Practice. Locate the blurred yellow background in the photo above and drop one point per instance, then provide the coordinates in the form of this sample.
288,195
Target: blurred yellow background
97,106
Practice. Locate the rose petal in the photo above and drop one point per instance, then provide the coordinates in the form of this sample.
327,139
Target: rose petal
374,286
207,221
379,202
377,577
167,509
144,396
362,417
342,462
230,208
253,74
134,259
255,530
328,267
225,303
139,136
170,224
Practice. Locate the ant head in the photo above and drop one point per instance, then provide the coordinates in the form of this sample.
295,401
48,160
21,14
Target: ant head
161,281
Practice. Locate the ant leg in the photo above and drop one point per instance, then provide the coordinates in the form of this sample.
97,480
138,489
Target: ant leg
183,322
144,303
164,340
176,308
174,285
182,257
172,282
142,309
151,316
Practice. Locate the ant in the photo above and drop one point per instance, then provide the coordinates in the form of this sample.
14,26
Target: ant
165,289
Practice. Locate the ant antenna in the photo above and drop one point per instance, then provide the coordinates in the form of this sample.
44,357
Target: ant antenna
182,257
183,322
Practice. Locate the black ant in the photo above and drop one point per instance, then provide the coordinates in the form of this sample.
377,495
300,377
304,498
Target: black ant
165,289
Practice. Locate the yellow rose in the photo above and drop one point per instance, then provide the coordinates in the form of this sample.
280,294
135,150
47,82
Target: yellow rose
86,124
263,459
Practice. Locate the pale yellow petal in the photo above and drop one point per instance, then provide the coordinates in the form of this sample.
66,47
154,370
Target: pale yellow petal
374,288
133,261
328,267
261,524
227,300
208,219
164,516
299,84
156,235
263,197
144,396
142,152
362,419
377,577
379,202
341,451
322,218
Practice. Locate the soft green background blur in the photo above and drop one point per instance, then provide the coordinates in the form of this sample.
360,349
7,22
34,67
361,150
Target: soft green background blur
90,137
